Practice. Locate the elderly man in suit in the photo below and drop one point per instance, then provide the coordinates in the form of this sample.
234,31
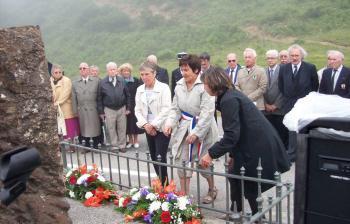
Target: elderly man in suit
113,106
252,79
336,79
161,73
232,67
205,61
273,97
284,57
295,80
84,101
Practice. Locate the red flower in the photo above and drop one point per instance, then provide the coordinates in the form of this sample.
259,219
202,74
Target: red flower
162,196
72,180
165,217
126,201
93,202
91,179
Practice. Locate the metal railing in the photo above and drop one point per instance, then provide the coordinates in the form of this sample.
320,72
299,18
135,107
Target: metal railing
119,169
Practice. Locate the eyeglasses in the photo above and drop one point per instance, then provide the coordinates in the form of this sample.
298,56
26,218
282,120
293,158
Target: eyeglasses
229,61
83,68
57,72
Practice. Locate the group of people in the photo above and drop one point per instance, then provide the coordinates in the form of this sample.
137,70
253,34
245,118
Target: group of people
252,101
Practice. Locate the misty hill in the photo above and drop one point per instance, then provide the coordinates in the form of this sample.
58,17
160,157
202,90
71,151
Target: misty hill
127,31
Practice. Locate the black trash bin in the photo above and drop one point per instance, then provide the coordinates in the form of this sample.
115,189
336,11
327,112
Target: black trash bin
322,175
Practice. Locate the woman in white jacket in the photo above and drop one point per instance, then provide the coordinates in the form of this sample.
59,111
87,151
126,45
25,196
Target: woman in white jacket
153,101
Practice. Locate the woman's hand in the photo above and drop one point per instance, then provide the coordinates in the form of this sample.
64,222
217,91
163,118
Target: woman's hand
191,139
150,129
167,131
206,161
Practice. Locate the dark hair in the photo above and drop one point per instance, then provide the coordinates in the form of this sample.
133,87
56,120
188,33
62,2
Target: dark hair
216,79
192,61
204,56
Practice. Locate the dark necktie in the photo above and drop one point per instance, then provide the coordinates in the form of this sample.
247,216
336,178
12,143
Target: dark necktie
332,79
295,70
231,75
270,76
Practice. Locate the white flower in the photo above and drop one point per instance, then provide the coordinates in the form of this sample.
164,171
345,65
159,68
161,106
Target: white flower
136,196
154,206
121,201
83,178
165,206
101,178
182,202
151,197
69,173
133,191
71,194
88,195
179,221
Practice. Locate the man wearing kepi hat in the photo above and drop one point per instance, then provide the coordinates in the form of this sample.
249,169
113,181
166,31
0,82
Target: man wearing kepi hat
176,73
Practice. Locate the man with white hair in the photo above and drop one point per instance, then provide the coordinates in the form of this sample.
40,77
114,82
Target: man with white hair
273,97
232,67
161,73
84,101
252,79
336,79
296,79
113,106
284,57
94,71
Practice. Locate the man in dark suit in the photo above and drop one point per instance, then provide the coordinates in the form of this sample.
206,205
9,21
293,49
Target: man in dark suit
233,67
273,99
336,79
205,61
296,79
176,74
161,73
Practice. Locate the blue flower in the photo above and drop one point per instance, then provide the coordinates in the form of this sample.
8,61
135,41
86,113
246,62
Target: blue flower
144,191
171,196
148,218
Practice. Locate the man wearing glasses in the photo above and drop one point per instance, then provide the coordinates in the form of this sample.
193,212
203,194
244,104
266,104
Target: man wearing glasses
232,67
84,98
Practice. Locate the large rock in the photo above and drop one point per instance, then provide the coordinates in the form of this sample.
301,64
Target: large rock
28,118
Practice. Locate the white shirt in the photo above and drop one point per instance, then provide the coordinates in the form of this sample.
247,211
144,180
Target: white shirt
336,76
298,66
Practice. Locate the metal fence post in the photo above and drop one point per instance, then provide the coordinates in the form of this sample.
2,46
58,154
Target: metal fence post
171,158
148,168
138,167
198,183
242,187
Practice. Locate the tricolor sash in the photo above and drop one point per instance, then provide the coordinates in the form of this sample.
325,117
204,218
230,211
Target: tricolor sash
193,119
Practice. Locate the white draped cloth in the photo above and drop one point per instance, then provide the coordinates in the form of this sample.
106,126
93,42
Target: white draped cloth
313,106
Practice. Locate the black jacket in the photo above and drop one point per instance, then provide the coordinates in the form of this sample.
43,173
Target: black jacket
248,136
342,87
296,87
113,97
175,76
162,75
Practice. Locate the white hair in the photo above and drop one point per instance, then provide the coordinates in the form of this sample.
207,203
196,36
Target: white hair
231,55
250,50
297,46
335,52
283,52
153,59
272,53
94,67
111,65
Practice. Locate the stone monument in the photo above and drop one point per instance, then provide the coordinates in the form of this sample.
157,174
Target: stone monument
27,117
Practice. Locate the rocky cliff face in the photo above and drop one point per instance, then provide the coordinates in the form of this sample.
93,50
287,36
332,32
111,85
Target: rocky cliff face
28,118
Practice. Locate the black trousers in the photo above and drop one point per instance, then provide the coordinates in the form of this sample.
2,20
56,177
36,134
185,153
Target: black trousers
158,145
95,141
277,122
236,192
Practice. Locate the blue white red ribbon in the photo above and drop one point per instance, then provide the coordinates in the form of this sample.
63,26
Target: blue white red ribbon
193,120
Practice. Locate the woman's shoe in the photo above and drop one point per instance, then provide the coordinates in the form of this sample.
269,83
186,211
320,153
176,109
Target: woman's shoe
128,146
136,145
211,196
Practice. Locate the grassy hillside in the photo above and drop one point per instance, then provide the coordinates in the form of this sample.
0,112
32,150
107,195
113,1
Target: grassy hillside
127,31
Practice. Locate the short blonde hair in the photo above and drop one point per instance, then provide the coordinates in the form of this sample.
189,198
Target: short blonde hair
125,66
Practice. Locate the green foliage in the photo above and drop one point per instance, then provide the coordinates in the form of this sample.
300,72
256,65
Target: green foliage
127,31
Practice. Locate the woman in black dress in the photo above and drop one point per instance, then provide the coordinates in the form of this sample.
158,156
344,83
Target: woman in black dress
132,83
247,137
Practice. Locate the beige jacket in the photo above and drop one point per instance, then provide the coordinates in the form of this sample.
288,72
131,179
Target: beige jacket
62,95
197,102
253,84
159,105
